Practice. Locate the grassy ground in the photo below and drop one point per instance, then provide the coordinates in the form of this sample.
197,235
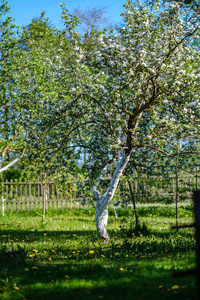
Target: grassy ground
61,258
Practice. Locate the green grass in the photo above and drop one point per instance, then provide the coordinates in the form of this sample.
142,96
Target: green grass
63,258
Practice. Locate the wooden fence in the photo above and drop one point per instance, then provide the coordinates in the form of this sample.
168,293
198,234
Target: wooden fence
34,195
37,195
154,189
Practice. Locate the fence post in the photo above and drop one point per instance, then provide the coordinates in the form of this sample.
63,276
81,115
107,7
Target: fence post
2,205
196,175
44,183
2,198
197,227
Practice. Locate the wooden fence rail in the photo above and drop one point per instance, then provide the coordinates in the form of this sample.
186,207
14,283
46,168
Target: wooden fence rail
30,195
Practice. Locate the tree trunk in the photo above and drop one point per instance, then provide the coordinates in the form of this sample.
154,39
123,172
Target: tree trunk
101,218
177,185
134,204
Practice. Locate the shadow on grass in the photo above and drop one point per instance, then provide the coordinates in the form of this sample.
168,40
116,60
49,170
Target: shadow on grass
91,280
136,247
101,276
85,220
31,235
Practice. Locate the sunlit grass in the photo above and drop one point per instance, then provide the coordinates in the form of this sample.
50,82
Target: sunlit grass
61,258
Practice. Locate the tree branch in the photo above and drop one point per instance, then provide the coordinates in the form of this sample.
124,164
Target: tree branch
13,162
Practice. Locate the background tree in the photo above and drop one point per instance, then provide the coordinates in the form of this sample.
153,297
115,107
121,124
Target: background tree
91,18
46,53
13,135
28,81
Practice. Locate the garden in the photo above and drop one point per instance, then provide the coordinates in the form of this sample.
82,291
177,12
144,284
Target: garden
100,133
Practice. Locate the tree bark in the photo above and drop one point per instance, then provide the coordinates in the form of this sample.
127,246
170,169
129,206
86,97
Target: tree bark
103,201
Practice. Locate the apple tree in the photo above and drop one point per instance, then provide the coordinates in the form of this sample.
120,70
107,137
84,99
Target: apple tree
135,89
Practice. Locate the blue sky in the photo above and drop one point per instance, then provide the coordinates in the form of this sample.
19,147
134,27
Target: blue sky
24,10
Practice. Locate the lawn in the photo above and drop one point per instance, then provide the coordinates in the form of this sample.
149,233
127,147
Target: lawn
61,258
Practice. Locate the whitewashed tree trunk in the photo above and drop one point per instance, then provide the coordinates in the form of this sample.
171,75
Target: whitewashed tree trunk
103,201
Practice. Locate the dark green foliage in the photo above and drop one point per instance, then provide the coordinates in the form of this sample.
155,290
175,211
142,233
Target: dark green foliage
11,174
